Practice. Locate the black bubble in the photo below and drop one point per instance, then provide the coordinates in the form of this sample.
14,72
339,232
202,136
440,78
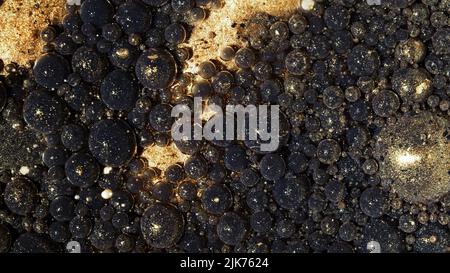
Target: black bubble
191,242
235,158
189,147
20,196
207,70
80,227
133,17
65,45
217,199
112,142
245,58
279,31
94,111
231,228
58,187
222,82
328,151
407,223
123,55
348,231
336,17
297,62
162,225
54,156
160,118
385,103
106,213
96,12
363,61
272,167
163,191
297,23
73,137
357,137
290,192
174,173
319,47
187,190
119,90
196,167
91,66
342,41
297,162
335,191
156,69
50,70
181,6
262,71
441,41
285,228
34,243
373,202
256,199
249,177
104,46
103,235
317,202
59,232
77,97
358,111
124,243
175,34
261,221
227,53
111,32
82,170
62,208
340,247
48,34
270,91
122,201
333,97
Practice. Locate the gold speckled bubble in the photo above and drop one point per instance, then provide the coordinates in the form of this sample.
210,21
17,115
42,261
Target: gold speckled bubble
415,153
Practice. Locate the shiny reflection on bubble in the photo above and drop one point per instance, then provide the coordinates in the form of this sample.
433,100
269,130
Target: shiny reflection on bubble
414,154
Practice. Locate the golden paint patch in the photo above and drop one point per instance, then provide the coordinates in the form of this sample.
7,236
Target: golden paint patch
21,22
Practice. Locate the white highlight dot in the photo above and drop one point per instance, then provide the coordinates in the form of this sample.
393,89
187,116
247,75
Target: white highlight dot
374,247
24,170
107,170
307,4
107,194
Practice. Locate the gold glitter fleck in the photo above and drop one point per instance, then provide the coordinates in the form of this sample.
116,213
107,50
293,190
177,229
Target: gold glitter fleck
163,157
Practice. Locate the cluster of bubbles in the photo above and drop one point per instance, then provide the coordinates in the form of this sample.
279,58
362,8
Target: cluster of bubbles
341,72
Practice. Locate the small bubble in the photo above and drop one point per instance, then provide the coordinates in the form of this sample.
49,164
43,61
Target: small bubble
374,247
73,247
